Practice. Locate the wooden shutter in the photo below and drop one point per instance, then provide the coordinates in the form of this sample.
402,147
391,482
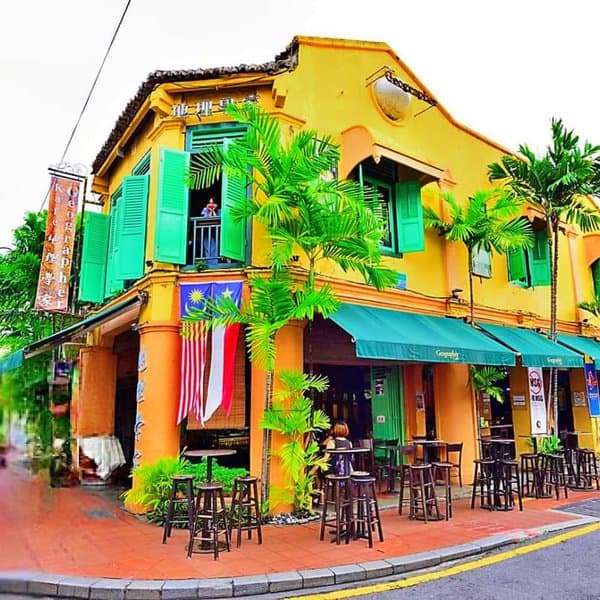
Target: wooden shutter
93,257
517,266
170,234
131,228
539,259
409,216
112,283
233,231
596,278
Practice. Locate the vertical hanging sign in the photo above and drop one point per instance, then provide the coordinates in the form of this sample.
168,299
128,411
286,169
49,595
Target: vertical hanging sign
537,401
57,257
591,387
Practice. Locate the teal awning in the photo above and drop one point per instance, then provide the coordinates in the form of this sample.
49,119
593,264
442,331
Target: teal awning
395,335
82,327
583,345
536,350
11,361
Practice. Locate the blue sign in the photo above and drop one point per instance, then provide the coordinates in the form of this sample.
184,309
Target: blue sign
591,387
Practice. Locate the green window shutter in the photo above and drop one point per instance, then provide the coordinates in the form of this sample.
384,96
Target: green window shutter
409,216
596,277
233,231
93,257
539,259
131,228
112,283
170,234
517,266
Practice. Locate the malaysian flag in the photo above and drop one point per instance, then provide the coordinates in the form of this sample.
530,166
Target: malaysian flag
223,350
193,350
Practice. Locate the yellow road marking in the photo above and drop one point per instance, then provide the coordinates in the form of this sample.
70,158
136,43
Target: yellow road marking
455,570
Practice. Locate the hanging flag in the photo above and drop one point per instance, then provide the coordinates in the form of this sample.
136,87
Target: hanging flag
57,257
193,349
537,401
591,387
222,360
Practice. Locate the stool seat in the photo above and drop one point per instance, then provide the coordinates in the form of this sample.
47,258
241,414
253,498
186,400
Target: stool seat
423,501
337,497
210,520
173,517
442,470
245,511
365,508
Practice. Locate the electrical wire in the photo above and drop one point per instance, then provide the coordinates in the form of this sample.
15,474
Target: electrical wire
92,88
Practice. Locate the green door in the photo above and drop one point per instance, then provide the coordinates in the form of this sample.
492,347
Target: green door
387,404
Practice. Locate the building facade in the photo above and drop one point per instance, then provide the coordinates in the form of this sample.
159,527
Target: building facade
398,360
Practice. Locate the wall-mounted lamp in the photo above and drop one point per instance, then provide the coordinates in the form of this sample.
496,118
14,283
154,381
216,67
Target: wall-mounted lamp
455,292
149,264
120,153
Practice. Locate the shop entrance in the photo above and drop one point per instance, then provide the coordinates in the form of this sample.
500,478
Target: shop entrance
565,408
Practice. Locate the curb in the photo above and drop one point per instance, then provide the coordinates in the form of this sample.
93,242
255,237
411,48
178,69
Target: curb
68,586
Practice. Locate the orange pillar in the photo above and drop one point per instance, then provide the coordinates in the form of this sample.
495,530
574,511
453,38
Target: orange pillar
290,356
455,411
156,433
93,412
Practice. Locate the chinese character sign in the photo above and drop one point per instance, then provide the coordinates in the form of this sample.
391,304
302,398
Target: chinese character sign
57,257
537,401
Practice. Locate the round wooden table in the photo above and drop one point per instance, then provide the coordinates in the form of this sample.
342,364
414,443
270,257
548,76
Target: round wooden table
209,454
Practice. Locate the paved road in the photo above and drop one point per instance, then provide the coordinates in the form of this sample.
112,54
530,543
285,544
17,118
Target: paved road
569,570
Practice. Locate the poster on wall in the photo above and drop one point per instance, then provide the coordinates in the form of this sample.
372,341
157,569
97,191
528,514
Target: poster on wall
591,388
578,398
537,401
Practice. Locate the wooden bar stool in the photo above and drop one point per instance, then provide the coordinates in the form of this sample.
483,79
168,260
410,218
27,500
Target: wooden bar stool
337,496
442,476
510,482
365,509
210,520
530,474
423,500
483,483
177,502
245,512
587,468
556,477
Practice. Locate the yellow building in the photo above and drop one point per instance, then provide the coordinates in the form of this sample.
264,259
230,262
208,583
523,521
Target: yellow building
398,360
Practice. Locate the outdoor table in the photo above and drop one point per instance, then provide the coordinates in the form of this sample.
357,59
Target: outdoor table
209,454
347,454
428,445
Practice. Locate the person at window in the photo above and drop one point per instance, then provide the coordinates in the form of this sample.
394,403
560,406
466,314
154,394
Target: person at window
210,234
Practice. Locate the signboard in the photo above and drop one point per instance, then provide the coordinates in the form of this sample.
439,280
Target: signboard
591,388
518,400
537,401
579,399
57,257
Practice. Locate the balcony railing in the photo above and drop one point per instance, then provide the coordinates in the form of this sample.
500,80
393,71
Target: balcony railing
206,239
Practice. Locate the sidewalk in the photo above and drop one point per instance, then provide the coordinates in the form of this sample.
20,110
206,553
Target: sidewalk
83,537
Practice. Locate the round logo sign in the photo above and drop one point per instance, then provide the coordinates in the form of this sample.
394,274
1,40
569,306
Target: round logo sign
535,382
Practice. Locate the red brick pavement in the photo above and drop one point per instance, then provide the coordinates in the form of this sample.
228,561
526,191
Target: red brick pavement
75,531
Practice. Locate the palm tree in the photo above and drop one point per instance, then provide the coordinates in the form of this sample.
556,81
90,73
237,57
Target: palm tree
556,184
486,222
310,218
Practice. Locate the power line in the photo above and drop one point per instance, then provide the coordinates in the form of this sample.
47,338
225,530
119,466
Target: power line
87,100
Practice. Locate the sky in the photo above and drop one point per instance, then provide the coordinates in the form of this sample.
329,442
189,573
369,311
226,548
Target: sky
502,68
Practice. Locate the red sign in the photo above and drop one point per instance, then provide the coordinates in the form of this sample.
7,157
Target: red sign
57,257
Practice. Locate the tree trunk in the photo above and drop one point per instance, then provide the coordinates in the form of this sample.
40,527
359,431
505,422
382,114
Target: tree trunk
471,301
265,469
553,319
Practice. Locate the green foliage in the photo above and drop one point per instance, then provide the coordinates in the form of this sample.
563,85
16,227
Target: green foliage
548,445
292,414
484,379
153,482
591,307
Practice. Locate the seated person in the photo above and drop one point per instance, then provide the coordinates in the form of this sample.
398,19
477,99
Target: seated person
338,440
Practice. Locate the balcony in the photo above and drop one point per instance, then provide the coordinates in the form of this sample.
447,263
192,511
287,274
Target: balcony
205,240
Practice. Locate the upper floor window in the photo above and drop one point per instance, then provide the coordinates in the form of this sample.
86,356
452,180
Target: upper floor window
530,267
596,279
401,205
196,226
